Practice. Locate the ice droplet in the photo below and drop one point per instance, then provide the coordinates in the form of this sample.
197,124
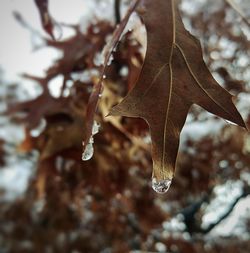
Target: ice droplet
89,149
88,152
161,186
95,128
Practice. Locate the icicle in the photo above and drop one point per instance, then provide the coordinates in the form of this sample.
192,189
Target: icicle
88,153
89,150
95,128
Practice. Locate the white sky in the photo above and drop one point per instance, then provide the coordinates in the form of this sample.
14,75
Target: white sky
16,54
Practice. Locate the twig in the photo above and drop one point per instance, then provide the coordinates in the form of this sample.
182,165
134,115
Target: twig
190,212
244,194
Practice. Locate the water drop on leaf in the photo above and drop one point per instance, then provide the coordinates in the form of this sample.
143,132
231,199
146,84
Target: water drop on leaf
161,186
95,128
89,150
88,153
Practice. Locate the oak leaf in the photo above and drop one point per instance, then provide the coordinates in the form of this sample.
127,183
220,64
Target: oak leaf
173,77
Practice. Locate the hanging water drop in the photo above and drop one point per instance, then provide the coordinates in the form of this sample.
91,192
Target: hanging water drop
88,153
95,128
89,149
161,186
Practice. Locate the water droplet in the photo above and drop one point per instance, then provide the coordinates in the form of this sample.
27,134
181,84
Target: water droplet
95,128
161,186
89,150
88,153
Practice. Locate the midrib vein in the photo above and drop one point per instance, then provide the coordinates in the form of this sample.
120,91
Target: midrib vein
171,83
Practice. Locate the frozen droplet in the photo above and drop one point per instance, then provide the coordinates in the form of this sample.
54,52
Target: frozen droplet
88,152
95,128
161,186
89,149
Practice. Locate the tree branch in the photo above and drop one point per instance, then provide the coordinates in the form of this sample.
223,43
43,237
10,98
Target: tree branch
190,212
245,193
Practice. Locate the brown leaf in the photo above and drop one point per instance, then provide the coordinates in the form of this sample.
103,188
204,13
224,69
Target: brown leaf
47,21
174,76
97,90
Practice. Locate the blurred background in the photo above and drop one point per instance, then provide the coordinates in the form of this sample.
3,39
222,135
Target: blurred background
52,201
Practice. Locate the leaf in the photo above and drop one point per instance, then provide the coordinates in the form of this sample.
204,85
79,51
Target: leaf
98,88
47,21
173,77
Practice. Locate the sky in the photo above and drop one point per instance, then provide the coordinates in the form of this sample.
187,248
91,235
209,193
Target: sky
16,53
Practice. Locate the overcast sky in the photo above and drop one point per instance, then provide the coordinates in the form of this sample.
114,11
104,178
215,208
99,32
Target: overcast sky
16,54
